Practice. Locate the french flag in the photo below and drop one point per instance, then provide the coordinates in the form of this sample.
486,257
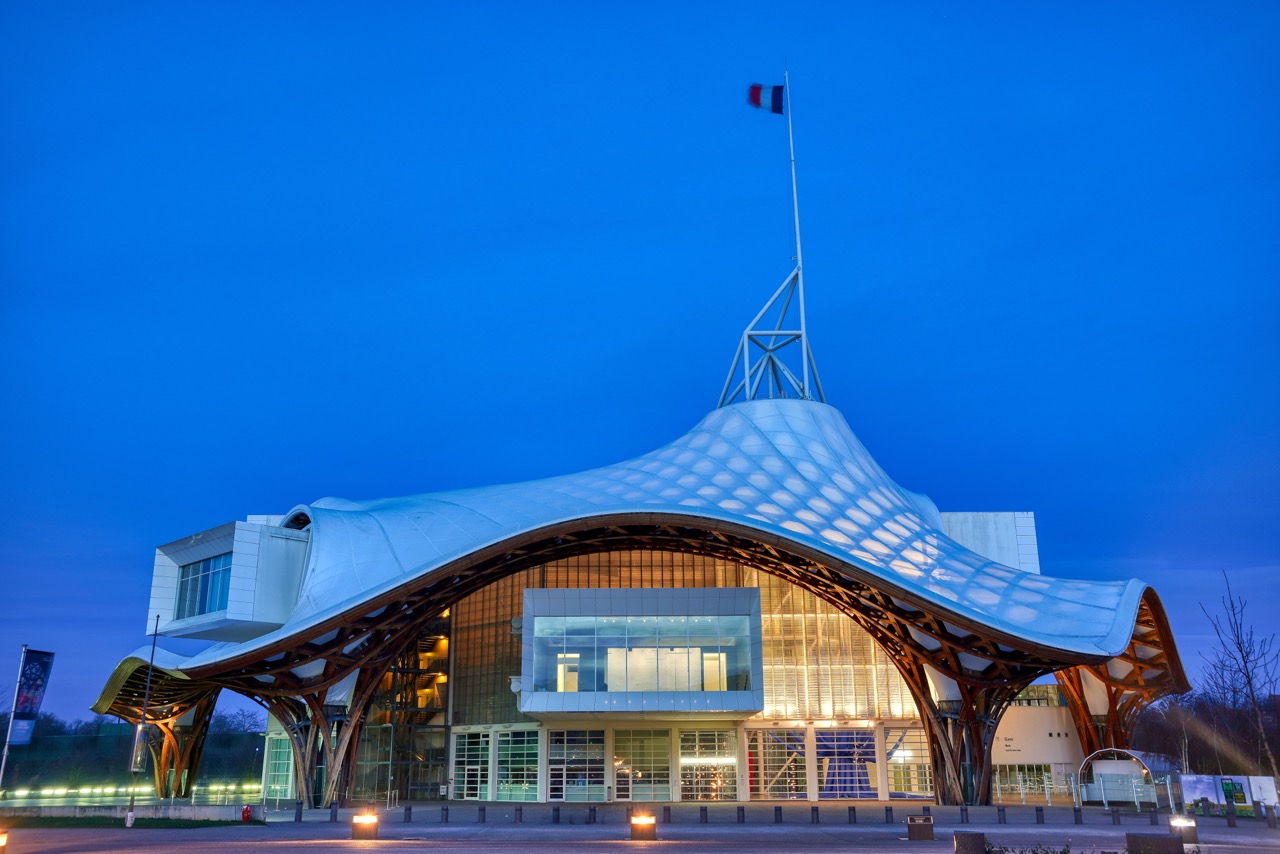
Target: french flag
765,96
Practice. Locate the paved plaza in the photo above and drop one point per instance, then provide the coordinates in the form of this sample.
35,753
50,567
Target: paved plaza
610,832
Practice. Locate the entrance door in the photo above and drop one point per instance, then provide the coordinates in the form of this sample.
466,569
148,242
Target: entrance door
622,782
555,783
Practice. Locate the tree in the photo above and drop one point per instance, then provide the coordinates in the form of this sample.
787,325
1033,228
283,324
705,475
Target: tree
240,720
1241,672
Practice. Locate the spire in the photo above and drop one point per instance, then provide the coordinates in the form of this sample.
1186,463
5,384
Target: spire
764,368
773,357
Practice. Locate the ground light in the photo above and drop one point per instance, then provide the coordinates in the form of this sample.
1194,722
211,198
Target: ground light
4,839
644,828
1184,826
364,826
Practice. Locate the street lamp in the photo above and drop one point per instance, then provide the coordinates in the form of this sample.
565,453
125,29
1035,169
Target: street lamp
138,761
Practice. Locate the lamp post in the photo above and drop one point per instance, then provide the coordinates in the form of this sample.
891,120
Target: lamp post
137,760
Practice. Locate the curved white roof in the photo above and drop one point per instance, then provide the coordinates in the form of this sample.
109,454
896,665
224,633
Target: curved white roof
788,468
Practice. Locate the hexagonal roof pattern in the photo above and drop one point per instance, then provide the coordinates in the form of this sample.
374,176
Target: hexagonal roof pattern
784,467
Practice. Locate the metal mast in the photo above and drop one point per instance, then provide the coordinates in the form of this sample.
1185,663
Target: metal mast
764,371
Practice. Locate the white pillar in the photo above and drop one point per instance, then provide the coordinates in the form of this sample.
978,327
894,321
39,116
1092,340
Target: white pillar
675,764
811,762
492,788
610,770
544,751
882,764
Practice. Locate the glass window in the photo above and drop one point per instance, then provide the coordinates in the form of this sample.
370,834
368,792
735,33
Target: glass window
641,653
709,765
777,763
203,586
279,767
910,772
518,765
471,766
575,765
642,765
846,763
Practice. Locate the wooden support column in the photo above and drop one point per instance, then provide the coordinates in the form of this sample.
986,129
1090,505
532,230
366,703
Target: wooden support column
961,733
176,748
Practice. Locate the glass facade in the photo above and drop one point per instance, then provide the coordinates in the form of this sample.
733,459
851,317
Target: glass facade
203,586
837,721
403,750
818,663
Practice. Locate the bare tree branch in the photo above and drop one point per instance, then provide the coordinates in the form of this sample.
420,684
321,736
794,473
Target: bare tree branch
1241,671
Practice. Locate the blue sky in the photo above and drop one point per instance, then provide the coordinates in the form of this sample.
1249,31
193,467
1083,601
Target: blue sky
253,255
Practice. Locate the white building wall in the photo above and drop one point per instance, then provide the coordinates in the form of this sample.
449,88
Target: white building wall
1037,735
266,571
1006,537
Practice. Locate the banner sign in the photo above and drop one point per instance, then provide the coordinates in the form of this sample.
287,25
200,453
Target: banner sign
32,681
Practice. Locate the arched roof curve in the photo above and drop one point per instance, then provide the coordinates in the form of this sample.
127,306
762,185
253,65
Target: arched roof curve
791,471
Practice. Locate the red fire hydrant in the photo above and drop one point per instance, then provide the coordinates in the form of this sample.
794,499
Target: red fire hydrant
246,813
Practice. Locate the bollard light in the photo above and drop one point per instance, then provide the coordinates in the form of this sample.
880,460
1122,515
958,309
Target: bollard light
644,828
1184,826
364,826
4,839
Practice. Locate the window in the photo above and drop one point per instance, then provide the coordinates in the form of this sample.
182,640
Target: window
846,763
471,766
575,765
642,653
708,765
518,765
203,586
279,768
910,772
776,763
642,764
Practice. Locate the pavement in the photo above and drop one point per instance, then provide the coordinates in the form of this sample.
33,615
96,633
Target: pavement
758,832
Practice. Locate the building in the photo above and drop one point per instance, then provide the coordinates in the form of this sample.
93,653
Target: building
753,611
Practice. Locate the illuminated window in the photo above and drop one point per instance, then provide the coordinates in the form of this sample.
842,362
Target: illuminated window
642,765
203,586
776,763
575,765
907,753
709,765
518,765
471,766
642,653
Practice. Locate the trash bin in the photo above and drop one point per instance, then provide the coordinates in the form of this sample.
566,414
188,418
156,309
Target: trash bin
919,828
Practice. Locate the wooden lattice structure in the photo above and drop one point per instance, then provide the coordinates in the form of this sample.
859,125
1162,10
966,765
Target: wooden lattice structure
962,674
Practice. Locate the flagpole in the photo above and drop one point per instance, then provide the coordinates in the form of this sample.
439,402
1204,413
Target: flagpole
4,759
795,209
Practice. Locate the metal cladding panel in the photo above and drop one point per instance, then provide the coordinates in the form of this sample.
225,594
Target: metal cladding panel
786,468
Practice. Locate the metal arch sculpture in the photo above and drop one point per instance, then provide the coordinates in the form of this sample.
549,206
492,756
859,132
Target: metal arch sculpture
782,485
